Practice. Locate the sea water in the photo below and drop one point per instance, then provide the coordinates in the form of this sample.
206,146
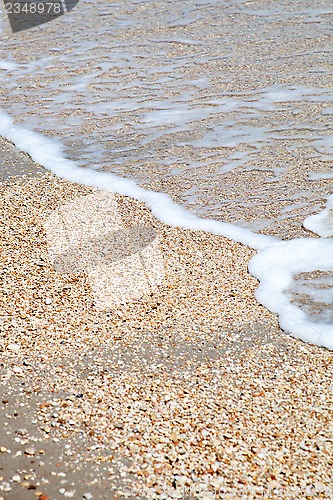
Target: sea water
215,113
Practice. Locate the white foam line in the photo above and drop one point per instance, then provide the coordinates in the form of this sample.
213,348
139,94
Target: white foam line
322,223
275,265
48,153
8,65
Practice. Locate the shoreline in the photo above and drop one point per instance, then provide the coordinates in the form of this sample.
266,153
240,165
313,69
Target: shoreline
195,376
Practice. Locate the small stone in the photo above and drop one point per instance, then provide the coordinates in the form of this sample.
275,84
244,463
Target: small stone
69,494
48,301
13,347
16,478
3,449
22,432
87,496
43,497
30,450
118,425
6,486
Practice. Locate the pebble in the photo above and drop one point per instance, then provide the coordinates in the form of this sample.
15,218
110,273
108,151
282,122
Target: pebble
22,432
48,301
30,450
13,347
87,496
16,478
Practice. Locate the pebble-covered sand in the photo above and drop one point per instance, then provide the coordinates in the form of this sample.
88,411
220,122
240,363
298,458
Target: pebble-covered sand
189,391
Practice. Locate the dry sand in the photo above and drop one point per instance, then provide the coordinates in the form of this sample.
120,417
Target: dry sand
191,391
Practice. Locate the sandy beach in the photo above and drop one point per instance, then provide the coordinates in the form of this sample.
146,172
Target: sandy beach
189,391
135,359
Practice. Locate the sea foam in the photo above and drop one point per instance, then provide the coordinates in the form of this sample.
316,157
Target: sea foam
132,78
274,266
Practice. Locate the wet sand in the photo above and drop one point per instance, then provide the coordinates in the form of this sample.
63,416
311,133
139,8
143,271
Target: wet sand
189,391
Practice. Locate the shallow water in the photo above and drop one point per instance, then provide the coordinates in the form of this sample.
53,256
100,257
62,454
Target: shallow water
225,105
176,95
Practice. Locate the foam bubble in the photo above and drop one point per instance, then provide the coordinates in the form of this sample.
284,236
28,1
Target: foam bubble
322,223
275,268
8,65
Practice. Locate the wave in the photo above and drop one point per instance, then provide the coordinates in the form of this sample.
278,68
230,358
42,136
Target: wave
114,112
